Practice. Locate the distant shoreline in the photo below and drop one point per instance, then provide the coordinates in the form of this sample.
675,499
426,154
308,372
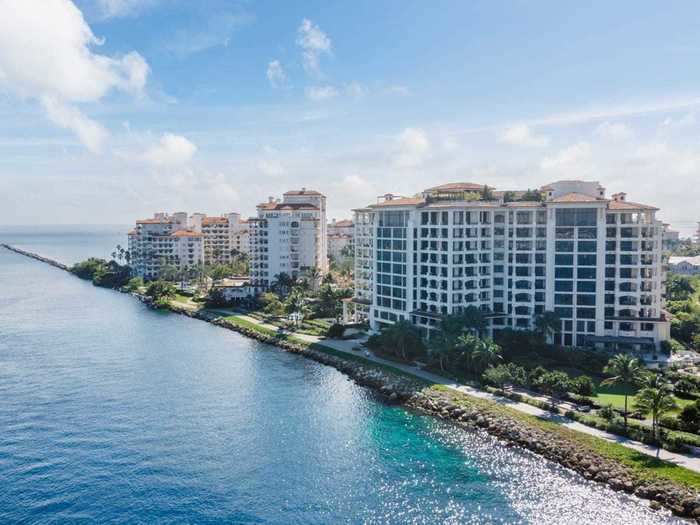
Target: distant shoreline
465,411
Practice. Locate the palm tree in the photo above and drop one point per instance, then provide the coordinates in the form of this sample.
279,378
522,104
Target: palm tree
486,354
282,282
473,319
439,347
313,274
547,324
625,371
296,304
656,397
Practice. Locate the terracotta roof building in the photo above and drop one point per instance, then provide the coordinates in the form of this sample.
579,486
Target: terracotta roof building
594,261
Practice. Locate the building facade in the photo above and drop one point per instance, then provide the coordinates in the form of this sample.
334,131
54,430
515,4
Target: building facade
340,239
594,261
224,236
288,236
163,241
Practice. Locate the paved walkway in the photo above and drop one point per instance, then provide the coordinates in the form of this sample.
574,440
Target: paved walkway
346,346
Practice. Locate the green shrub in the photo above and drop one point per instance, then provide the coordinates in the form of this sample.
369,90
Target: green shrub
689,417
607,412
335,331
582,385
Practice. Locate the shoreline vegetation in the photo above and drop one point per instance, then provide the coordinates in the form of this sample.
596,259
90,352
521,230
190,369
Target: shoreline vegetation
623,469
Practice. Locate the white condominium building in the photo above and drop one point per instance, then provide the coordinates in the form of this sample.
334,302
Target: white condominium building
288,236
164,240
340,238
224,236
595,261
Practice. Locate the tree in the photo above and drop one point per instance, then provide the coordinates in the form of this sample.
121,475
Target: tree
655,397
477,354
487,194
473,319
679,288
690,417
271,304
329,303
556,383
497,376
282,283
487,353
625,371
401,339
160,291
313,274
547,324
295,305
532,195
440,349
582,385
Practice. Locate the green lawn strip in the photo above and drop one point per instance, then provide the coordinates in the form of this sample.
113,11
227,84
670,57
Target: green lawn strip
645,467
359,359
244,323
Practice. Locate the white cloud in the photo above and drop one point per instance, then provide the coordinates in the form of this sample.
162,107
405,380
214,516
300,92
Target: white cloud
90,133
201,36
662,105
614,131
522,135
320,93
118,8
46,54
574,158
171,150
276,74
412,147
313,43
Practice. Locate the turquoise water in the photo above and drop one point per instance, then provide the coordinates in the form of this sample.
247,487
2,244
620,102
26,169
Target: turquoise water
112,413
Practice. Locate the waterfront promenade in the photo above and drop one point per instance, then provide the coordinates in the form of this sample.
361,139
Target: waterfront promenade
346,346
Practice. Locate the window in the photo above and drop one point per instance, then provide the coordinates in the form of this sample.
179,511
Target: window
564,246
564,273
564,312
561,260
585,313
586,260
563,298
563,286
585,300
585,273
576,217
586,286
565,233
587,246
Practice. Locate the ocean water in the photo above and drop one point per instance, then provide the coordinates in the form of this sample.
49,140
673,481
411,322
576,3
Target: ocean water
113,413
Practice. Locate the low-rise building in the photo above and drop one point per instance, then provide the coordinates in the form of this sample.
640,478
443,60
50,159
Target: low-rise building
684,265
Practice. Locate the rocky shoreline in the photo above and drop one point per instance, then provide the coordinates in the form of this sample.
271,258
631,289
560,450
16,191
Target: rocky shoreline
469,412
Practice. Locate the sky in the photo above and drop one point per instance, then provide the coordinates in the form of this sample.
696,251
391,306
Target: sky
111,110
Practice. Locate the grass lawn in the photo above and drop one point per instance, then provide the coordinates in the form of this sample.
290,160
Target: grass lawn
645,467
614,395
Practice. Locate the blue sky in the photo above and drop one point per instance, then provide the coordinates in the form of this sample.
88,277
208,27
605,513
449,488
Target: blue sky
113,109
